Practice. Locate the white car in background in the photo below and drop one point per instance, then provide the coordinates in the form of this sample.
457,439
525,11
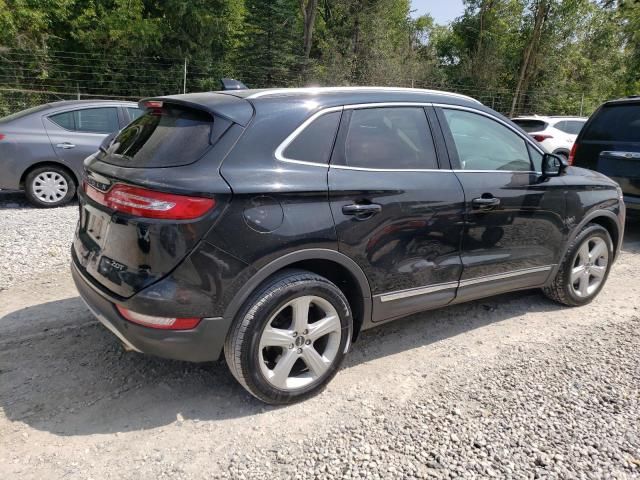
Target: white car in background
555,134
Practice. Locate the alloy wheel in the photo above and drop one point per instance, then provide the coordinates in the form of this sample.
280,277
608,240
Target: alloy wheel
589,267
300,342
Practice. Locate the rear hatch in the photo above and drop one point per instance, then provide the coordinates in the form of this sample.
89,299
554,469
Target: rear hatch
153,191
610,144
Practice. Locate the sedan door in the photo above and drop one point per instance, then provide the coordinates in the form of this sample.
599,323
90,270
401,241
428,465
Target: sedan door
397,214
514,216
76,134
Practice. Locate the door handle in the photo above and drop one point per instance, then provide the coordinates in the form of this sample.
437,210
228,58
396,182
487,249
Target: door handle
362,210
483,203
66,145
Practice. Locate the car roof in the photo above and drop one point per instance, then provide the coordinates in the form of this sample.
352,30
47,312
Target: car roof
631,99
73,103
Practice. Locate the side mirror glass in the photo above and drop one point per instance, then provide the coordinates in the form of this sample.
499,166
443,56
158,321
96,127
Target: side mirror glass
553,165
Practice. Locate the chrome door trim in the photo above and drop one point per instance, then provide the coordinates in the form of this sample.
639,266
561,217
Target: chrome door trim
412,292
502,276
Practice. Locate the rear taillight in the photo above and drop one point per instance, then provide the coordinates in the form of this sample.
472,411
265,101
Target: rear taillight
2,136
141,202
539,137
162,323
572,154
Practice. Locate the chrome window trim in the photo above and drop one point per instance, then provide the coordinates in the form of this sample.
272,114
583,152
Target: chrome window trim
279,153
287,141
412,292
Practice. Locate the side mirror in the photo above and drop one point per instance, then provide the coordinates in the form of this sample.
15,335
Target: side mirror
553,165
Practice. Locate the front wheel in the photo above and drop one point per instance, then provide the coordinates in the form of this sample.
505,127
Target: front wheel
289,339
585,268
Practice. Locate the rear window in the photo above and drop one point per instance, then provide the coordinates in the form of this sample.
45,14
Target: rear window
530,125
166,137
572,127
315,142
618,123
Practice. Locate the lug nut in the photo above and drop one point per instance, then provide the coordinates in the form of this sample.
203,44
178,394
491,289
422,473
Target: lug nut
299,350
291,346
305,332
295,334
308,342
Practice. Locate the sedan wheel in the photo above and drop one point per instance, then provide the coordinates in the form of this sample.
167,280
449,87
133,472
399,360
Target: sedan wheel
49,187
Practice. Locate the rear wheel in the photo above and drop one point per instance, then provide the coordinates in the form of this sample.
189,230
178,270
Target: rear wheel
290,337
584,269
49,186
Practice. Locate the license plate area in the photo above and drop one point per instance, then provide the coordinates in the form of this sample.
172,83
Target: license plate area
95,226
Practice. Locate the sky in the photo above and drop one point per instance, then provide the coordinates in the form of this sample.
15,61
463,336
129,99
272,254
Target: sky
443,11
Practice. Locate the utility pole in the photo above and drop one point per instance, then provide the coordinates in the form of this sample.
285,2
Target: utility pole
184,77
582,104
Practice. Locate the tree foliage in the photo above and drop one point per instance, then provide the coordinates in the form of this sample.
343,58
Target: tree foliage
547,56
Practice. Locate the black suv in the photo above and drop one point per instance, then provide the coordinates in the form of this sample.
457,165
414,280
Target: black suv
276,225
610,143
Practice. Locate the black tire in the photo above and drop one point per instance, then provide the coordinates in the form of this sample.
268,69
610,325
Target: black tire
560,290
59,199
242,346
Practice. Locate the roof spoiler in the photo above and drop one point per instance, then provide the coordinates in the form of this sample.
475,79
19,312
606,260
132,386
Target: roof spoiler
231,84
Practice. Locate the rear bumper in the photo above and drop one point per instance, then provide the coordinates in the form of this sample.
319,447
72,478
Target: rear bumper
201,344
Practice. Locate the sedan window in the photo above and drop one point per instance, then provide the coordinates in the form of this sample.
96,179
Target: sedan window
485,144
90,120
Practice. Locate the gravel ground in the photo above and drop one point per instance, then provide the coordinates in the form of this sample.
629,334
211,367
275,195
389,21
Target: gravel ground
29,246
508,387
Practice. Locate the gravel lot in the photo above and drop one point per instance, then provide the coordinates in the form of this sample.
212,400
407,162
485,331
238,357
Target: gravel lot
508,387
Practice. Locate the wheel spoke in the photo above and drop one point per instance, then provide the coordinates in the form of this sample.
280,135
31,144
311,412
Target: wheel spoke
283,368
598,271
276,337
583,253
314,361
598,250
577,273
300,308
583,288
323,327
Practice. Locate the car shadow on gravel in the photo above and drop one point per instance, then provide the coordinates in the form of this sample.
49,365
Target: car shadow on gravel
72,377
62,372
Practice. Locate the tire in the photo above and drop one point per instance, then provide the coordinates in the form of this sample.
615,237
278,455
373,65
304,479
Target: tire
593,247
264,336
49,186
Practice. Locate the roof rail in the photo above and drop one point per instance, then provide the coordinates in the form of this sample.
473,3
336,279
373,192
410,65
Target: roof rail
319,90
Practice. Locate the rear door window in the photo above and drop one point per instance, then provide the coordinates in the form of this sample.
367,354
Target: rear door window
134,113
390,138
530,125
617,123
88,120
166,137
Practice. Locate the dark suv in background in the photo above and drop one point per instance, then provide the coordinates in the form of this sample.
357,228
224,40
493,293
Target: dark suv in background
276,225
610,143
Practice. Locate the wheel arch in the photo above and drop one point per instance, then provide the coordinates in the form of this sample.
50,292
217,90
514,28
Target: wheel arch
333,265
50,163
